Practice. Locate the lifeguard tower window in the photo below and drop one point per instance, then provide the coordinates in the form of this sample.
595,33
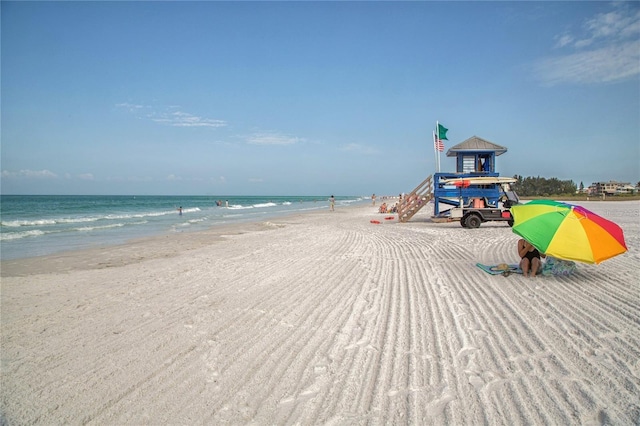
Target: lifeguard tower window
476,163
468,163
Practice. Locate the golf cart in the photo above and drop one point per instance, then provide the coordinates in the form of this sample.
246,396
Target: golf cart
479,209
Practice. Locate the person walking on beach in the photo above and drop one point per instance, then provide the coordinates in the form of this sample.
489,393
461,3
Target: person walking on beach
332,203
373,200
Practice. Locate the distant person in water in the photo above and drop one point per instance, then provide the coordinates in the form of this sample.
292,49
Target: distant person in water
530,262
180,210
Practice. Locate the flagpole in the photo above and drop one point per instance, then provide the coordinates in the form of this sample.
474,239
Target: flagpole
435,151
438,138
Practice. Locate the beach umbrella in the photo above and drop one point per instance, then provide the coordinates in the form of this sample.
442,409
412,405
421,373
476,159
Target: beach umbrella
567,232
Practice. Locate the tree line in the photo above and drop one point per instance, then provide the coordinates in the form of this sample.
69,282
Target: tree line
543,187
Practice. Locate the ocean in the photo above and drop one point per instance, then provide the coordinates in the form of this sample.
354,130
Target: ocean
37,225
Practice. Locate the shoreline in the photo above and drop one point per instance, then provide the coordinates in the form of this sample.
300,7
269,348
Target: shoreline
115,255
31,229
323,318
146,248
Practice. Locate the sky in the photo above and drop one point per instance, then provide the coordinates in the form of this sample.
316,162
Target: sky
311,98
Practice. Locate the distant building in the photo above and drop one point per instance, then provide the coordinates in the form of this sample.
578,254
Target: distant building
626,189
611,188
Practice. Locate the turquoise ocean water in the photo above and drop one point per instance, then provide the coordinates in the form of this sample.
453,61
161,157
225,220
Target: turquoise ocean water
35,225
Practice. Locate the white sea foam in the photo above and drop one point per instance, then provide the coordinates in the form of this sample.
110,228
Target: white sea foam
150,214
46,222
71,220
19,223
94,228
202,219
50,224
17,235
253,206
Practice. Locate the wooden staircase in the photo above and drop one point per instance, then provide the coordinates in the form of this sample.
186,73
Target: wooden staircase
415,200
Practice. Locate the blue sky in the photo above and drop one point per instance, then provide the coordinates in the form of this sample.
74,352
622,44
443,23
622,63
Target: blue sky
311,98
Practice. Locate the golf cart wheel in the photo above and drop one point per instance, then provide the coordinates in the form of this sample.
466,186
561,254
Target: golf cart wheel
473,221
463,223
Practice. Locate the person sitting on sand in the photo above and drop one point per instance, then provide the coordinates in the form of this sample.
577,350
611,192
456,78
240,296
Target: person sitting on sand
383,208
530,262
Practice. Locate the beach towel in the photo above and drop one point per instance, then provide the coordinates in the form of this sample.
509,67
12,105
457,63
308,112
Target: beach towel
500,269
554,266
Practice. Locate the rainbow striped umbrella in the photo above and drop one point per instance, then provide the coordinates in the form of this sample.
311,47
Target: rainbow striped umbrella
567,232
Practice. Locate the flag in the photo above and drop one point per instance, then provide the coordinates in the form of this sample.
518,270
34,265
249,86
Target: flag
442,132
439,145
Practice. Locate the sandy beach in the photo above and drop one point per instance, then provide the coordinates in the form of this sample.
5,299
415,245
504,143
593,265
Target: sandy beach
322,318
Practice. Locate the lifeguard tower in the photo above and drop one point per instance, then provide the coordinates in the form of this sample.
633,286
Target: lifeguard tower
475,162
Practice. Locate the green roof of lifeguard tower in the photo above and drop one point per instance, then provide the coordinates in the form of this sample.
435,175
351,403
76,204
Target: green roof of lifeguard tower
476,144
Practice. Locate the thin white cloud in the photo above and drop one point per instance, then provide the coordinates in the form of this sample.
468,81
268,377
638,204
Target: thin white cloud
564,40
604,65
272,139
605,50
130,107
168,116
29,174
177,178
256,180
86,176
183,119
615,24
